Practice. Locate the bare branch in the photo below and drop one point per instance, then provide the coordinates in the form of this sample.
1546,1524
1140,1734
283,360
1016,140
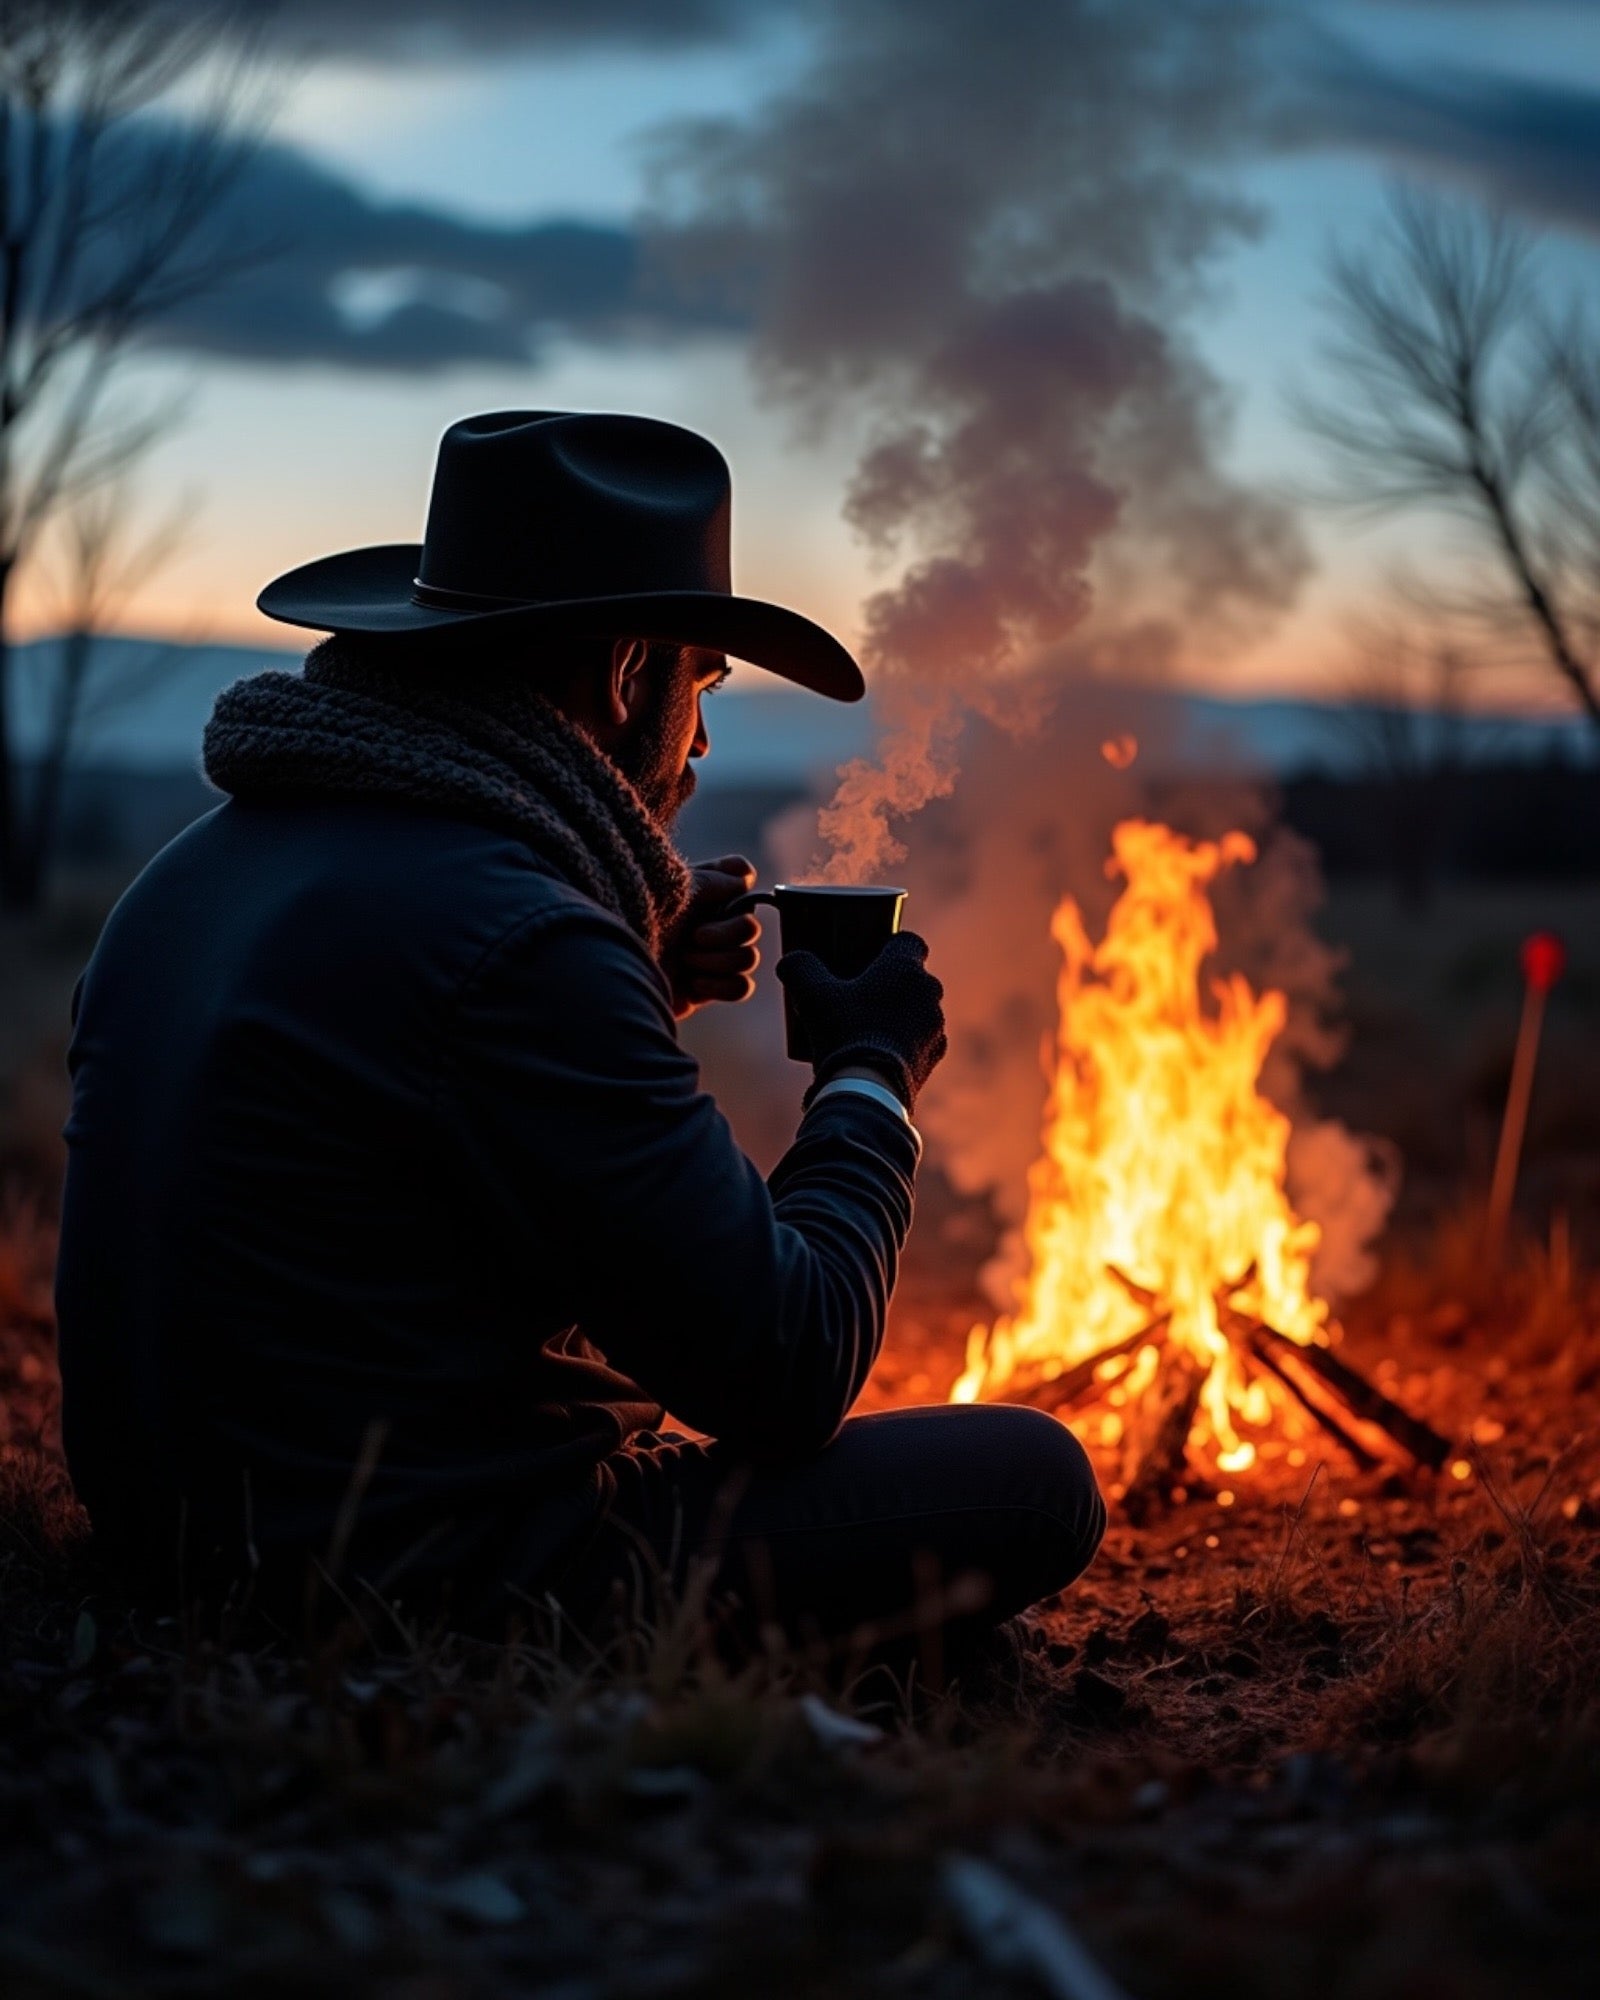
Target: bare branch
1435,395
111,216
106,559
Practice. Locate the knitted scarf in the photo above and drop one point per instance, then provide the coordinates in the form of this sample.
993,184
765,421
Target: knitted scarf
488,750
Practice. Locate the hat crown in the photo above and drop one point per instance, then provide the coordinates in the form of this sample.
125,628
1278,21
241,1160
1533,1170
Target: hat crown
547,505
559,522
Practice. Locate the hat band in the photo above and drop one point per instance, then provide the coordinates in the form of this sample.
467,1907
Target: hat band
459,600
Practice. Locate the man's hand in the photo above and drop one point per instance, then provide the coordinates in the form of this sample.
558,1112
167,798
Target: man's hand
710,960
888,1019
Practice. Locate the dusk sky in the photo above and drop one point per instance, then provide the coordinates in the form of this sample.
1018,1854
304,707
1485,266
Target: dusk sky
419,169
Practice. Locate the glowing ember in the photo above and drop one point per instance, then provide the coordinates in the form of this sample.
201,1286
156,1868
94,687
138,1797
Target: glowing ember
1161,1185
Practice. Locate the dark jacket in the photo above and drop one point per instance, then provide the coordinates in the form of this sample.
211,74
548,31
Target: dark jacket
389,1186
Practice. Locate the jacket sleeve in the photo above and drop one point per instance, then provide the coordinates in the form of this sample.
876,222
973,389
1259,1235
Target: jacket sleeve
753,1311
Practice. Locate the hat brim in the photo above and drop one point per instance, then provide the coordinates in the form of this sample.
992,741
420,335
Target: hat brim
370,590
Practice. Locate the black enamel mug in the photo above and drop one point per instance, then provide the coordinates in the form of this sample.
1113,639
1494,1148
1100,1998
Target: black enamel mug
846,928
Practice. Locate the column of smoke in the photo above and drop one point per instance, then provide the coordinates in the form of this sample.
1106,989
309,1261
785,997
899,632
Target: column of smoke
975,233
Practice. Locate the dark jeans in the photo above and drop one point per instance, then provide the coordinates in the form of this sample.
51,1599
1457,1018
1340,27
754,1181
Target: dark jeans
911,1533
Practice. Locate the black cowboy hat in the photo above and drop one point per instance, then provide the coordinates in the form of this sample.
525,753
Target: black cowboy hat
561,520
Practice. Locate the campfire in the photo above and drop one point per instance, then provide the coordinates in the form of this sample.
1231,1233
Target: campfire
1168,1308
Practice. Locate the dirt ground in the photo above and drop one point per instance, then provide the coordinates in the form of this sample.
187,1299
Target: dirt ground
1340,1737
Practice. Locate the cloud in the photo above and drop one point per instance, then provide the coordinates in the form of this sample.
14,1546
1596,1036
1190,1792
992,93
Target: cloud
1579,9
1529,143
411,30
1038,195
355,281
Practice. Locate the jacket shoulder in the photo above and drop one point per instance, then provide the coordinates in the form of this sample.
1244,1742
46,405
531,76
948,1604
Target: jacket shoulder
357,883
362,847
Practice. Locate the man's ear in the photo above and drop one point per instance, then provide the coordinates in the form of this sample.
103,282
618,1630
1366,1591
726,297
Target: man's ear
623,686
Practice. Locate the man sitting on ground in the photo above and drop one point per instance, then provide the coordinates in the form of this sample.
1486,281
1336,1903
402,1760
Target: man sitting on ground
395,1216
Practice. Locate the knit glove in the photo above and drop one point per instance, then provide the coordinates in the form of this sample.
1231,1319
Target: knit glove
888,1018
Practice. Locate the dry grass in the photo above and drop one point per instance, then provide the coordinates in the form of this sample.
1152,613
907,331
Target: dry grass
1353,1749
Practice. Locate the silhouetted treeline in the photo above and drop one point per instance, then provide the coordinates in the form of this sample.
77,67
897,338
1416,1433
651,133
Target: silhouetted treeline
1479,822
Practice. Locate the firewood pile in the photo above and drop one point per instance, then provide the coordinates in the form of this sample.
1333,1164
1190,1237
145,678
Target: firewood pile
1370,1426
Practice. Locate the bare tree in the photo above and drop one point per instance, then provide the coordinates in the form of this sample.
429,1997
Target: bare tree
106,554
108,222
1452,387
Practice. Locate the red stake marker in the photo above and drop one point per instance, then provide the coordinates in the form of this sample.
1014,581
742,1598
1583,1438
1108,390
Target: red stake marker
1544,959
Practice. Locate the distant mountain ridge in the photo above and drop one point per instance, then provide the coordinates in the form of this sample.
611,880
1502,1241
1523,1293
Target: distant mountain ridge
777,735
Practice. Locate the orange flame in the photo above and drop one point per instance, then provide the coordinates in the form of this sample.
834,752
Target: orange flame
1161,1158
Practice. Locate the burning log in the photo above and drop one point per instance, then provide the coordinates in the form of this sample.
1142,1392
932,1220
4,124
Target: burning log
1325,1415
1066,1390
1140,1294
1157,1436
1364,1420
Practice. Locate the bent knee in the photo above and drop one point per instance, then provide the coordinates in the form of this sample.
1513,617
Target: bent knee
1041,1450
1050,1475
1074,1499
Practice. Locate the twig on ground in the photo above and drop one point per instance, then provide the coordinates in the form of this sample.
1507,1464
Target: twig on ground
1291,1529
1012,1932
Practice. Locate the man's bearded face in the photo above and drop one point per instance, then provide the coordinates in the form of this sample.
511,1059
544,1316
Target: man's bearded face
666,729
